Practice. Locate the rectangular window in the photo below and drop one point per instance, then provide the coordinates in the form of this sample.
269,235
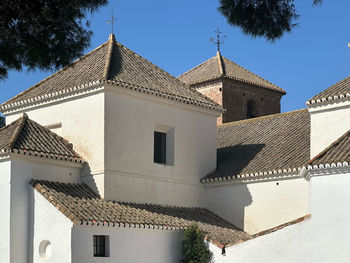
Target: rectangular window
101,246
160,147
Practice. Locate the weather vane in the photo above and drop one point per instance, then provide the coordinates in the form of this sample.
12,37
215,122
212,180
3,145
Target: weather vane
218,42
111,21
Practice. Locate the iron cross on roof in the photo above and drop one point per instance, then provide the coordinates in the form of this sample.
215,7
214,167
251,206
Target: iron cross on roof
218,42
111,21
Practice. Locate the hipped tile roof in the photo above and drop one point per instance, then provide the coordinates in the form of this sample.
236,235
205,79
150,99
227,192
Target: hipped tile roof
28,137
337,152
114,63
219,66
261,145
82,205
339,90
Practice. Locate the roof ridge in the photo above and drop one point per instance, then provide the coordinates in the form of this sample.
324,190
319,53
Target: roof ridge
18,130
262,117
334,143
167,73
221,64
55,73
108,61
155,66
188,71
252,73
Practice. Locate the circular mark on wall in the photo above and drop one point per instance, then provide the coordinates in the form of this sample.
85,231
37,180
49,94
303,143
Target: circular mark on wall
45,249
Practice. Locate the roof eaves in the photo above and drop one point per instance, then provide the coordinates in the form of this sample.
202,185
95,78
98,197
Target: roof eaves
264,175
91,86
327,99
262,117
2,106
280,90
207,105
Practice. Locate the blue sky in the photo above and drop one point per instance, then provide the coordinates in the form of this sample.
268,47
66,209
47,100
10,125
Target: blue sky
175,36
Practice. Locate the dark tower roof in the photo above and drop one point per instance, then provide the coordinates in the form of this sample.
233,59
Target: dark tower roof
218,67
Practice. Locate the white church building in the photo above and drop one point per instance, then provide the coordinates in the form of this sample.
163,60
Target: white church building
111,158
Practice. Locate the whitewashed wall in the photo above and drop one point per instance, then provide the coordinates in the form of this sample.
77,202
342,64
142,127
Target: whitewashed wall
50,225
288,245
5,204
331,216
127,245
22,171
131,174
323,238
259,205
328,122
82,124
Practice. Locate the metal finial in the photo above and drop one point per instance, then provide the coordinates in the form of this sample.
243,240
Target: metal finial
218,42
111,21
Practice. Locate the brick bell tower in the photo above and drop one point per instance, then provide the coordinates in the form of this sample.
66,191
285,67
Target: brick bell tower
243,94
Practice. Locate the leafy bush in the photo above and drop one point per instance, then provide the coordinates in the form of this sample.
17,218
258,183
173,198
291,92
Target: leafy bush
194,248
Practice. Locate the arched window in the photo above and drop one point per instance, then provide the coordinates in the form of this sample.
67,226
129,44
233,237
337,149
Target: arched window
250,109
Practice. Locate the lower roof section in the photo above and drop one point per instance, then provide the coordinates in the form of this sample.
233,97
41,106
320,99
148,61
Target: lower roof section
81,204
262,145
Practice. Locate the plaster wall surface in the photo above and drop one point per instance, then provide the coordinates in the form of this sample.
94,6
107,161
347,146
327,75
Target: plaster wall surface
127,245
131,174
328,123
52,226
21,224
331,216
5,204
323,238
288,245
258,206
80,120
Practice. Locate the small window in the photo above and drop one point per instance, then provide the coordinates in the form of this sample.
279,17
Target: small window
250,109
101,246
159,147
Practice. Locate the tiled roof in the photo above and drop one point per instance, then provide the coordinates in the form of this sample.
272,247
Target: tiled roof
113,63
28,137
262,146
82,205
337,152
339,90
219,66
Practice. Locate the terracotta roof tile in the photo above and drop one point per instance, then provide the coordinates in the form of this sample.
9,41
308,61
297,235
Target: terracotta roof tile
273,142
114,63
79,203
219,66
336,91
29,137
337,152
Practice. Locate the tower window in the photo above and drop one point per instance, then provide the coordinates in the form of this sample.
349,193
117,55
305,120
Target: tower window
101,246
159,147
250,109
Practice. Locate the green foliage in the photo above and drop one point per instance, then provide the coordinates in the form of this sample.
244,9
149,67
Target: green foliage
44,34
194,248
265,18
